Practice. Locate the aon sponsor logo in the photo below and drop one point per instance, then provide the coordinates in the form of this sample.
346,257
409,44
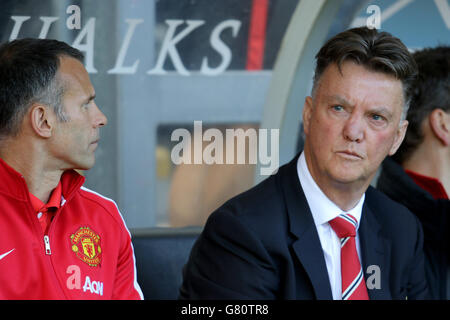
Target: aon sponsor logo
74,281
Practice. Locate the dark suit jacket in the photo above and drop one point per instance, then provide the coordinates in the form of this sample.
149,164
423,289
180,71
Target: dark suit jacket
433,215
263,244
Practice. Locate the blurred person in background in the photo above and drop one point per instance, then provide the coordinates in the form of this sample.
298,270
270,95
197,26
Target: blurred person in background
418,175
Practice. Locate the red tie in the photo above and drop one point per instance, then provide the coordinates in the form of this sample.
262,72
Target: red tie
353,284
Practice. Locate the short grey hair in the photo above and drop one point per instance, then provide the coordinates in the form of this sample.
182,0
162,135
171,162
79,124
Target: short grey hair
377,51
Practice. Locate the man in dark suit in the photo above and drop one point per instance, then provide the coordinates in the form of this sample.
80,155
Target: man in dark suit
316,229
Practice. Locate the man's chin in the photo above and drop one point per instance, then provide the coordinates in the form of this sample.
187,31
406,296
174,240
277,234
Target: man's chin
348,177
85,165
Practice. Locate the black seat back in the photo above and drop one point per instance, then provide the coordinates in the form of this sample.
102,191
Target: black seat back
161,254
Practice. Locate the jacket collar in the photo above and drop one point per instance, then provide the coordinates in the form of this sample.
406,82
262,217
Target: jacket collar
301,225
14,185
375,250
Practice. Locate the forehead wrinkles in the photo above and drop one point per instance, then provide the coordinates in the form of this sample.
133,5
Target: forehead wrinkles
355,84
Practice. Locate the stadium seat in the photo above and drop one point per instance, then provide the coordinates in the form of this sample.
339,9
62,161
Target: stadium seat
161,254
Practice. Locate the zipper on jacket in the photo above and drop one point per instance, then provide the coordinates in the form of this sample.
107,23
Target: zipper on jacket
48,251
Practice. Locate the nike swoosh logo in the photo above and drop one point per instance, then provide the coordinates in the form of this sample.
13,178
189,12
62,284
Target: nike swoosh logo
5,254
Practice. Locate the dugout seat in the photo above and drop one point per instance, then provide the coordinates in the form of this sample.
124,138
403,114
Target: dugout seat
161,254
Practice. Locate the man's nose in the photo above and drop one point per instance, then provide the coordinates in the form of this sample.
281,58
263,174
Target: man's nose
354,128
100,118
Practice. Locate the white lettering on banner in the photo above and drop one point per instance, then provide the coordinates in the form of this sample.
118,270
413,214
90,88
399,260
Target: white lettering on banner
220,47
88,47
213,153
169,46
46,26
85,41
119,68
18,21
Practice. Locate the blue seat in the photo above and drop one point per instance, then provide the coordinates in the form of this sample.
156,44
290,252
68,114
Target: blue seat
161,254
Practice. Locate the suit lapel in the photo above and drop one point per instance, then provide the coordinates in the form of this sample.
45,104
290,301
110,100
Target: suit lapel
375,251
307,247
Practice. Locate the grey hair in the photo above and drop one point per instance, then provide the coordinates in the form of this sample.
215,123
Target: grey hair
377,51
52,97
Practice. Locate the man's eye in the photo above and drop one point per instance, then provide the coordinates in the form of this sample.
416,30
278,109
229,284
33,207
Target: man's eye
86,105
377,117
338,108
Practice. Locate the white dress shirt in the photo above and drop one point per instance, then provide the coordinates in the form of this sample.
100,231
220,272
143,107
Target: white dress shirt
324,210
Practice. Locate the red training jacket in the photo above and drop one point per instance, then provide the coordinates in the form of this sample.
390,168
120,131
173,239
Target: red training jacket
87,253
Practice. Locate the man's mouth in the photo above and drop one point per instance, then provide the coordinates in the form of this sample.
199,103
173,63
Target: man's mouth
350,155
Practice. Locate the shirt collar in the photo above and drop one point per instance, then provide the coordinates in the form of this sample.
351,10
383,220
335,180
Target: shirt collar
322,208
54,201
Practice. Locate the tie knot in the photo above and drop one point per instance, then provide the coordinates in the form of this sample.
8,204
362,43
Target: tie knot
344,225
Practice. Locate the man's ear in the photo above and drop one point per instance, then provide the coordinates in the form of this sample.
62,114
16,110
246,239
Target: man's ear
439,122
41,120
399,136
307,112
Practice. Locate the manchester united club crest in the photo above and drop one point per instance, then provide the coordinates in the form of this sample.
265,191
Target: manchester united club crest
86,245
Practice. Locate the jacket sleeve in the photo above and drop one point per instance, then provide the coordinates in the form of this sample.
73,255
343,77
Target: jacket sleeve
228,261
126,286
418,287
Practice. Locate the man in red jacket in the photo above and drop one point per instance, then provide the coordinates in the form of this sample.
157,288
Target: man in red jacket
58,240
